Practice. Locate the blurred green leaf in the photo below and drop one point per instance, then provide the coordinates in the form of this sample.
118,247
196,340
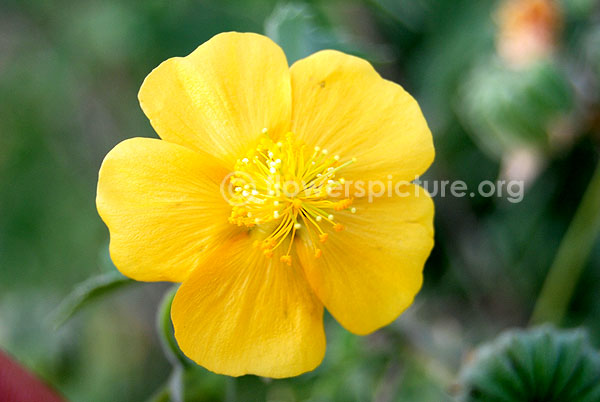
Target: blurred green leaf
199,385
291,26
86,292
411,13
578,8
294,27
507,109
162,395
543,364
300,31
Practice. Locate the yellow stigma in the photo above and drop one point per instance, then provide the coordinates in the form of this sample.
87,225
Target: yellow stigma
288,190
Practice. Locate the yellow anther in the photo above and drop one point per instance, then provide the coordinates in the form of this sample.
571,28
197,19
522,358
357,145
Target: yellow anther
286,259
338,227
268,253
318,253
343,204
323,237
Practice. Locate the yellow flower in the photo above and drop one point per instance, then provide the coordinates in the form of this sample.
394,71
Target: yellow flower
258,265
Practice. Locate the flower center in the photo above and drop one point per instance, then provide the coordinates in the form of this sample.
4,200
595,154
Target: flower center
287,190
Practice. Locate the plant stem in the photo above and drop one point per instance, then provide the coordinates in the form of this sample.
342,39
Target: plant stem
165,331
162,395
571,257
231,390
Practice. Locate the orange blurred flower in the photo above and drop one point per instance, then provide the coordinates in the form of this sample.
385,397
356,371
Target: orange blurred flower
528,30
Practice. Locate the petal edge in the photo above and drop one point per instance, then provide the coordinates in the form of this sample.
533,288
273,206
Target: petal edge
162,205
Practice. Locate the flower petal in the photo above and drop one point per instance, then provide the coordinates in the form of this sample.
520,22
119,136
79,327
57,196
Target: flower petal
339,102
220,97
243,313
162,204
370,272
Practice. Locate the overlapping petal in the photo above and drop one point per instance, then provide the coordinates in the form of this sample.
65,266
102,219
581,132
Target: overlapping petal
370,272
162,204
242,313
220,97
339,102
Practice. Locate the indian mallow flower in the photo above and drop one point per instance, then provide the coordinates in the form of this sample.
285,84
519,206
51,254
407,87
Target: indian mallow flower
258,199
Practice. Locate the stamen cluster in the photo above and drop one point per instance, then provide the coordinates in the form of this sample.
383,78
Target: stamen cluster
286,188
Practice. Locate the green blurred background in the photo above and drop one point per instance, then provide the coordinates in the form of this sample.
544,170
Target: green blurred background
69,76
